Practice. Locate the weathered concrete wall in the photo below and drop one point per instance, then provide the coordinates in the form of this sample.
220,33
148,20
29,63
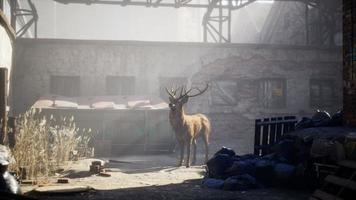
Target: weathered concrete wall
6,49
241,67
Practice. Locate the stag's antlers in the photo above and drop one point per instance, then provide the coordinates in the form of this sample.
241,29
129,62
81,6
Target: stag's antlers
187,128
184,92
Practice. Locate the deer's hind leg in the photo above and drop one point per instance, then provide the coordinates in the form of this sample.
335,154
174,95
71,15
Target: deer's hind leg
189,146
206,143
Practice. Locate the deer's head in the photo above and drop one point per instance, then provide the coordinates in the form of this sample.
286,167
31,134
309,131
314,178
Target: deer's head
179,96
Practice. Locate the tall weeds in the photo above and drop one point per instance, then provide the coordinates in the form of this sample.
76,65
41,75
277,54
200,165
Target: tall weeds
43,144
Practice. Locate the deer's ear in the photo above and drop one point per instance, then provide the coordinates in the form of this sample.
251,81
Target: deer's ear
185,99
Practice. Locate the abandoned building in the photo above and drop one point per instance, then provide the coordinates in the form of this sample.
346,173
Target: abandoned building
112,68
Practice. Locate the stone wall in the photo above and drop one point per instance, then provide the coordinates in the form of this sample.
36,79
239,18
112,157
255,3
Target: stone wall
235,72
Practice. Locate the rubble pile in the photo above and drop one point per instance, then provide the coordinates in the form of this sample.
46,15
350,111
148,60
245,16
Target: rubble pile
320,140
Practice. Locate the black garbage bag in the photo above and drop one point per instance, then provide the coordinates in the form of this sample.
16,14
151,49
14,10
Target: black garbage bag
284,171
336,119
264,171
8,183
321,118
246,166
245,157
240,182
285,151
218,164
213,183
227,151
305,122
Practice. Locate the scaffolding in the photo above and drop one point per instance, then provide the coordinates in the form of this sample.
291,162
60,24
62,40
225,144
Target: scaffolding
217,19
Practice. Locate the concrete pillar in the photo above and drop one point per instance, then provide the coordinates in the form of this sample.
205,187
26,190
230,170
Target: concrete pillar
349,54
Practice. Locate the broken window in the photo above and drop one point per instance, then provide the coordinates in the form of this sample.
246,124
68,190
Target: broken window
68,86
170,82
321,93
120,85
272,93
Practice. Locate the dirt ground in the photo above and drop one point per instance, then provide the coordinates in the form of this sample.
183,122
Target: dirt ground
151,177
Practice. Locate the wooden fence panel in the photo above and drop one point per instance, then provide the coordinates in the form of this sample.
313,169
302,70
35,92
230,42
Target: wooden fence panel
270,131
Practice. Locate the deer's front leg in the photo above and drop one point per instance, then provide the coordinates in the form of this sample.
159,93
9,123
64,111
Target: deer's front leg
189,145
181,146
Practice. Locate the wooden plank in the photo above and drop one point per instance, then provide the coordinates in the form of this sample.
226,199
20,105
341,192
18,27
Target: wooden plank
348,164
325,196
65,189
257,137
292,125
270,131
341,182
265,135
279,129
285,126
279,121
287,123
293,120
272,135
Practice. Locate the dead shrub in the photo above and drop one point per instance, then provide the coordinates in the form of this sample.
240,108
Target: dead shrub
43,144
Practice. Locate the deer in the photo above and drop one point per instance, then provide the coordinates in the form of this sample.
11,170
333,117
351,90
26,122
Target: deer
187,127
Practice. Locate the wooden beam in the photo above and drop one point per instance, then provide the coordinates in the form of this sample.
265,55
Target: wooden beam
3,104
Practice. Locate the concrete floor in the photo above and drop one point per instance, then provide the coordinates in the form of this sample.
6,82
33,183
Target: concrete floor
153,177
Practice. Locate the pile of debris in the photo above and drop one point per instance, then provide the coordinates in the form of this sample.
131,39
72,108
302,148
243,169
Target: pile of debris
229,171
8,183
296,161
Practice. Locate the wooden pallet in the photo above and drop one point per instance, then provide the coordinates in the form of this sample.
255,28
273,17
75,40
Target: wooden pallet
339,186
270,131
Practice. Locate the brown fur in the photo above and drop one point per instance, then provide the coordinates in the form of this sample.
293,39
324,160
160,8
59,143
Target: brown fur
188,128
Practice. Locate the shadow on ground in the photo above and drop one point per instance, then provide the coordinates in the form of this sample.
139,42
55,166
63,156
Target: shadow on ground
190,189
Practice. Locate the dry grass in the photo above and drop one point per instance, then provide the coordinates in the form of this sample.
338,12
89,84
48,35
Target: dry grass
43,144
